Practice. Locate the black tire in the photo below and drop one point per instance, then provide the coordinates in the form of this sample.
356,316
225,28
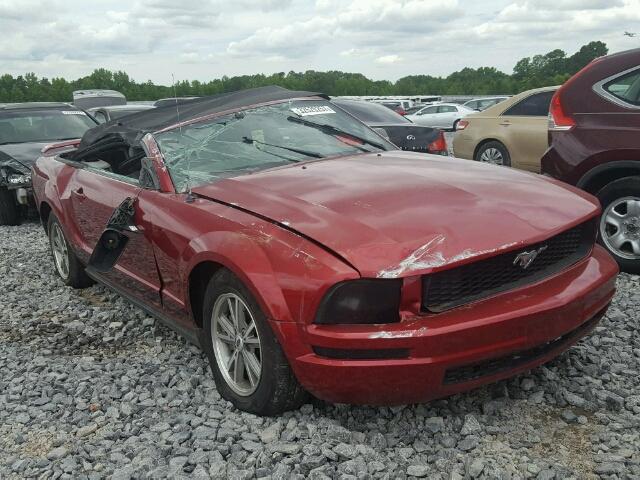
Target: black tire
9,212
76,277
277,389
616,190
506,157
455,125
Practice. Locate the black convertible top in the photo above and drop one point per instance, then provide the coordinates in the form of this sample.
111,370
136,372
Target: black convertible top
130,129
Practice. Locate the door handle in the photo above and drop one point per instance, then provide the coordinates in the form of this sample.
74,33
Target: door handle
506,123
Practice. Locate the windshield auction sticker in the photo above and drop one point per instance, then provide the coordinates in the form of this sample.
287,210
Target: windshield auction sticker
313,110
72,112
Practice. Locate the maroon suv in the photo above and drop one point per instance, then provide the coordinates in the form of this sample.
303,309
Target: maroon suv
594,136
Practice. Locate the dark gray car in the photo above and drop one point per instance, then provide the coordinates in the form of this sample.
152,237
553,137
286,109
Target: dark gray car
25,128
398,129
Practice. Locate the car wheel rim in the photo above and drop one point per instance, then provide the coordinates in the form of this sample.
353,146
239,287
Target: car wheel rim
492,155
620,227
60,251
236,344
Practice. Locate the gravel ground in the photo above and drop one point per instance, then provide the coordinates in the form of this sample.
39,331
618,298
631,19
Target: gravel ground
91,387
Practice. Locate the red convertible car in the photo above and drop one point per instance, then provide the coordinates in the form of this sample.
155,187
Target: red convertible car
305,253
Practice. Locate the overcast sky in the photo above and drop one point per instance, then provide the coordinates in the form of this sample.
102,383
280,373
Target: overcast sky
383,39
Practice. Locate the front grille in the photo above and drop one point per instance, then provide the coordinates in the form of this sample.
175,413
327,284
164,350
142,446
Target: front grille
474,281
494,366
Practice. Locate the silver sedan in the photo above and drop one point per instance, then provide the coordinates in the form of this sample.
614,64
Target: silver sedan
442,115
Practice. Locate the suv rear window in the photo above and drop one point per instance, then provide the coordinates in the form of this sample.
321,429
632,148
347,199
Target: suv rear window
626,87
536,105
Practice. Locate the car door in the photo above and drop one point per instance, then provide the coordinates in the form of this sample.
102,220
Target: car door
95,192
523,126
427,116
447,114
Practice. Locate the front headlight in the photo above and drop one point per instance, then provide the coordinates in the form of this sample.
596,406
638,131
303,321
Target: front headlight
19,179
365,301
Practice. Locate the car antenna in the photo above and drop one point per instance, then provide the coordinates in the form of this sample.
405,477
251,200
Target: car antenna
189,198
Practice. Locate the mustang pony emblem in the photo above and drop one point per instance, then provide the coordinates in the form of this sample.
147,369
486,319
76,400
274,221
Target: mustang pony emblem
525,259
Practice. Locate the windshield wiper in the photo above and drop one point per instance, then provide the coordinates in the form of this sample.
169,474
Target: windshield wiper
306,153
331,130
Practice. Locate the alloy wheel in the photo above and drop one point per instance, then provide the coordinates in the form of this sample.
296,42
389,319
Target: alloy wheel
620,227
60,251
236,344
492,155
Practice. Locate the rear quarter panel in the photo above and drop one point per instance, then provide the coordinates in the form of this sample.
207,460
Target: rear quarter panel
600,138
481,128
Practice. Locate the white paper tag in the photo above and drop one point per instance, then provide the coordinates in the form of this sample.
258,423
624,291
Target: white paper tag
72,112
313,110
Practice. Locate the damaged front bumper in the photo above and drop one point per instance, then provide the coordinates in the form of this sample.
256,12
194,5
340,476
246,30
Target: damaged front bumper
432,356
20,183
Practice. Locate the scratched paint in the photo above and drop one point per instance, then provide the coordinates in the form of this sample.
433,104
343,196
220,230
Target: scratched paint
399,334
423,257
427,257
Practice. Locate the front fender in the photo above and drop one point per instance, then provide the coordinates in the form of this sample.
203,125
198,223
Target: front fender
286,273
241,255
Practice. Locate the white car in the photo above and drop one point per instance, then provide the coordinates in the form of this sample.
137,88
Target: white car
442,115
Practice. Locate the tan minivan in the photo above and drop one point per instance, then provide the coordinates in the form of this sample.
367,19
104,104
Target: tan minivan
511,133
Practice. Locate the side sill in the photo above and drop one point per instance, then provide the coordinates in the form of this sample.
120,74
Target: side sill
190,334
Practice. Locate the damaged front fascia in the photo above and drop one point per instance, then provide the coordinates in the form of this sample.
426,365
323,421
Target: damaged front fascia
399,334
8,166
428,256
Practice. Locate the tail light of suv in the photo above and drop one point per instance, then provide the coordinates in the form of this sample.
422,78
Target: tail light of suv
559,119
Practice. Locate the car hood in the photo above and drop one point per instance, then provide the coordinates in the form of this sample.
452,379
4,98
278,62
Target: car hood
21,156
398,213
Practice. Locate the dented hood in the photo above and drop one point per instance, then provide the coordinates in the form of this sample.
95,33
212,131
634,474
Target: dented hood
20,156
398,214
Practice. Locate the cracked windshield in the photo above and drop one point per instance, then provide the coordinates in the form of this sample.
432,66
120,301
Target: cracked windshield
260,138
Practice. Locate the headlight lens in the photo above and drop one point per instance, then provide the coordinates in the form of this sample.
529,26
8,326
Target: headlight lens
365,301
19,179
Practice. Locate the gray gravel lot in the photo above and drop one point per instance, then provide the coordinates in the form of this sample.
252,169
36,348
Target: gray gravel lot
91,387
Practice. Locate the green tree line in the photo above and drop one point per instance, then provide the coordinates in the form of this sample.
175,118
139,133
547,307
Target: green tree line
552,68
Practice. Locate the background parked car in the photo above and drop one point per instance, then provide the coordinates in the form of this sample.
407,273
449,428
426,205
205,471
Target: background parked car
594,131
481,104
400,107
396,128
112,112
86,99
511,133
25,128
442,115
